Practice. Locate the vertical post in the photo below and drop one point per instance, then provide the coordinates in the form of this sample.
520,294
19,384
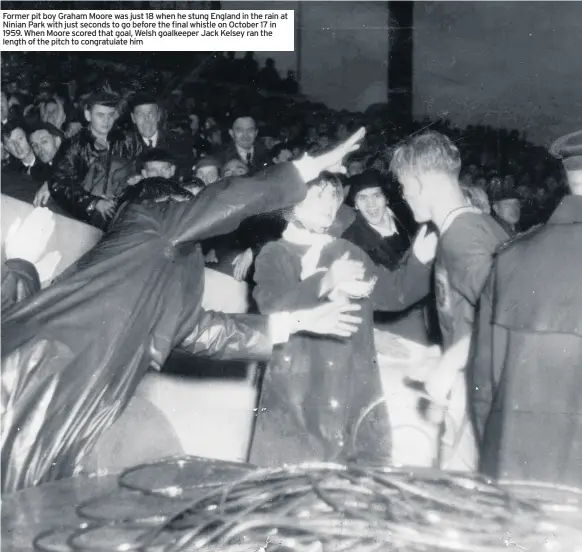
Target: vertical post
400,59
298,37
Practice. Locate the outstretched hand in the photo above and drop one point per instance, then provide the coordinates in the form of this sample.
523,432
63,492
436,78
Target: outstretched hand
310,167
242,263
343,270
42,196
330,318
332,160
425,245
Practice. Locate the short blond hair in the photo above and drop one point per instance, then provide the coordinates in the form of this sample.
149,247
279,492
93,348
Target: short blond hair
427,152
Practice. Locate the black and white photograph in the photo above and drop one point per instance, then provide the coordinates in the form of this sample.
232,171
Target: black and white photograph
321,297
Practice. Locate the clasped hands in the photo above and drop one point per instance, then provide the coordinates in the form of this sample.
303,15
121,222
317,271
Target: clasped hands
344,280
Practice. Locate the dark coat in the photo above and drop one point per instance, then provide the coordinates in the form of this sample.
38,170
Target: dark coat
527,368
261,157
38,171
19,185
73,355
315,388
19,281
72,163
383,251
388,252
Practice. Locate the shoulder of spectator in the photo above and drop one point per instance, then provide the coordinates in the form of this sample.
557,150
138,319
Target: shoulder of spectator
472,233
519,239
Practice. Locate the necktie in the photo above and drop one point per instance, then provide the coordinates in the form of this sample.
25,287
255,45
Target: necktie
249,158
148,142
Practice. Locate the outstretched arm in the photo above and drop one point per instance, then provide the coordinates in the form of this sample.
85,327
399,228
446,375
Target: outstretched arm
396,290
224,336
220,208
252,337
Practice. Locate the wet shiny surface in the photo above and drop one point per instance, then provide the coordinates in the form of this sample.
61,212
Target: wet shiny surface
27,513
33,511
53,507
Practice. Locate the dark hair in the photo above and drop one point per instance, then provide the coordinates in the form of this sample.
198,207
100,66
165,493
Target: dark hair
242,115
11,126
142,99
149,192
370,178
324,180
156,155
51,129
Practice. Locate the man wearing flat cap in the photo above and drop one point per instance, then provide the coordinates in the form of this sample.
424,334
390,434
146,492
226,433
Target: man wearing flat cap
506,204
526,388
92,167
146,114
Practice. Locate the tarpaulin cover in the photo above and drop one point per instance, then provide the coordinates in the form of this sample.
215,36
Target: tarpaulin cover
73,355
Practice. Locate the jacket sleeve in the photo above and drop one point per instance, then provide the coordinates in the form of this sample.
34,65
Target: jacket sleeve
469,252
278,287
398,289
485,365
224,336
66,185
220,208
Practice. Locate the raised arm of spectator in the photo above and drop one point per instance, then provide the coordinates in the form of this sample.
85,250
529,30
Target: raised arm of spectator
220,208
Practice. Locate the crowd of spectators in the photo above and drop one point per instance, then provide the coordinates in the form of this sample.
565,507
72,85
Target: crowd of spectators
81,135
225,116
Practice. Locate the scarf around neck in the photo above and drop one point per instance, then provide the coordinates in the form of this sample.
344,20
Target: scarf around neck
316,242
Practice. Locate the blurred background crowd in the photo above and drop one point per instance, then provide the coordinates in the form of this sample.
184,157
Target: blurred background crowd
518,181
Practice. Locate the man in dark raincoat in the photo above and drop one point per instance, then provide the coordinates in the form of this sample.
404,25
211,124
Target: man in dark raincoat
73,355
526,392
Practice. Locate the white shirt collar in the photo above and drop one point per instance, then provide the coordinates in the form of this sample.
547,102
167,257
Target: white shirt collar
153,140
243,153
30,165
316,242
387,227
